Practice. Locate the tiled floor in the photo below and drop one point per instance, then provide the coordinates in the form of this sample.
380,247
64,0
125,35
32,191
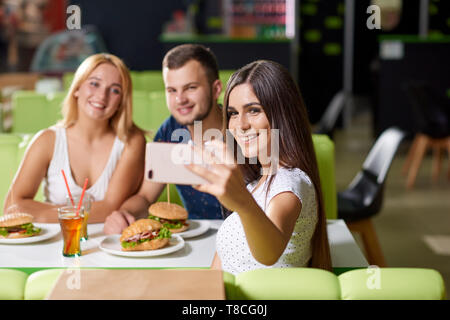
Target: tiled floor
414,225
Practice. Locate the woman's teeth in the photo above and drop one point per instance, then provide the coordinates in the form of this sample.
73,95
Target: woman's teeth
97,105
249,137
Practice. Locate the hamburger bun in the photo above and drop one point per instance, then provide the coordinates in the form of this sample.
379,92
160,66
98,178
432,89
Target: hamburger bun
170,211
15,219
140,226
17,235
183,228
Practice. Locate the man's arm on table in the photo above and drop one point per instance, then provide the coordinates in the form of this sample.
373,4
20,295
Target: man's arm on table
133,208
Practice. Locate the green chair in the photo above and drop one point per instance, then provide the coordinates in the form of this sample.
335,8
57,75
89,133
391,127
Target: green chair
33,111
158,109
67,80
224,76
392,284
40,283
12,284
149,81
149,109
283,284
324,148
141,110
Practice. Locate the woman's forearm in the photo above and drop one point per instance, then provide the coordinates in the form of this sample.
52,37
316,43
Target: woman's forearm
42,212
265,240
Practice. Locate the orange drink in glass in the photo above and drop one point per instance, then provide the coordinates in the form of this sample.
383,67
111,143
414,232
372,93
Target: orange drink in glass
71,226
87,201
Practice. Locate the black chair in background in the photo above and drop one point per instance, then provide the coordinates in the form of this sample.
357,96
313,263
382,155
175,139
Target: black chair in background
364,196
432,115
329,118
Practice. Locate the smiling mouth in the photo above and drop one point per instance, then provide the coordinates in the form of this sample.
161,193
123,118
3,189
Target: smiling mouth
97,105
185,110
248,138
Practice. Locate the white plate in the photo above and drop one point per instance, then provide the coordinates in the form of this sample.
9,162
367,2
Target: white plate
111,244
196,228
47,232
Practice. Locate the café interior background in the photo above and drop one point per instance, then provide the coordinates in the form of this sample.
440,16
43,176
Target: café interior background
321,51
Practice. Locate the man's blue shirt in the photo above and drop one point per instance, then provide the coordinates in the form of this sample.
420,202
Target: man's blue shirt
199,205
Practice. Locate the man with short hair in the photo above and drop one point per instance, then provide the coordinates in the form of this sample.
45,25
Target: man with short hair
191,78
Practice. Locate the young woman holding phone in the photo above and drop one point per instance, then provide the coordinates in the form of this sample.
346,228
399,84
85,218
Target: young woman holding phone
278,216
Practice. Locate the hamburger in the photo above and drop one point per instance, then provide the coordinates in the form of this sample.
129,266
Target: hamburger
17,225
171,215
144,234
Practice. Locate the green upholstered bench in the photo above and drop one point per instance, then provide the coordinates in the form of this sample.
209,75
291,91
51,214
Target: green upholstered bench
277,284
12,284
282,284
40,283
392,284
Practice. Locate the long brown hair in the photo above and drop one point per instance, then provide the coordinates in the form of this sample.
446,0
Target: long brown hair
283,105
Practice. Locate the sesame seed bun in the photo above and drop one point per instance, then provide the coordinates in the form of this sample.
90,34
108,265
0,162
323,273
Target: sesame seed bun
15,219
170,211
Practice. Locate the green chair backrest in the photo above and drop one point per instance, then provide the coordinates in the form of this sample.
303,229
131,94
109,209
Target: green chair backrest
324,148
224,75
283,284
67,79
392,284
33,111
40,283
149,81
12,150
12,284
149,109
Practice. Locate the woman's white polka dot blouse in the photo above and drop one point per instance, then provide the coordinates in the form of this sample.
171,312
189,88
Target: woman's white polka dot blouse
231,243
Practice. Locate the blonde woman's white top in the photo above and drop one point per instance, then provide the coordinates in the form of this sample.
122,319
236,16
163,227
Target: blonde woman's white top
55,190
231,243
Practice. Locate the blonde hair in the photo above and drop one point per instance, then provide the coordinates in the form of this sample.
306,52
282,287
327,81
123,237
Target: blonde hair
122,120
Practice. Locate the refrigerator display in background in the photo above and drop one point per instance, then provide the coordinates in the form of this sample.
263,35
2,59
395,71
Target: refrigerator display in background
259,18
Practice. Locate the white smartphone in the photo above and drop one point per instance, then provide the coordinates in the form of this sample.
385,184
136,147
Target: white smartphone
165,163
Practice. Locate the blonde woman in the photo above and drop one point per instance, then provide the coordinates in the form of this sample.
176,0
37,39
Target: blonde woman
96,140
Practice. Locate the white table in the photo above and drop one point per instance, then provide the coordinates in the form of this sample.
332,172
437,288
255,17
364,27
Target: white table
197,252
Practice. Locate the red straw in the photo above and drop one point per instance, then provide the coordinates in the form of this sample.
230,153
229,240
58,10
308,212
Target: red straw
67,186
82,195
69,242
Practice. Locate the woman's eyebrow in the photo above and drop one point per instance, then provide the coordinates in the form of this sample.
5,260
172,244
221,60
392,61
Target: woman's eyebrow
251,104
247,105
98,79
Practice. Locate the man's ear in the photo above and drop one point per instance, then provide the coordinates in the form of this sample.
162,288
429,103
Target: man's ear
217,88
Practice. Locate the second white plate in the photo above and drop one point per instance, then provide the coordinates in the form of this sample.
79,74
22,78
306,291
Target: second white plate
196,228
111,244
